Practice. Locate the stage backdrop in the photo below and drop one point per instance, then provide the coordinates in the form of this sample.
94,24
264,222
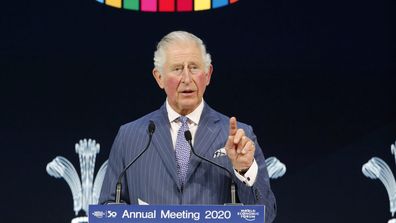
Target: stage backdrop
316,80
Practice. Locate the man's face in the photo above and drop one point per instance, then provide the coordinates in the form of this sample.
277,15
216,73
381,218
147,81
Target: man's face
183,76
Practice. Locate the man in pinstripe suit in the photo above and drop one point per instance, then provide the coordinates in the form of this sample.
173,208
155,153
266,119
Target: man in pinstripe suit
183,69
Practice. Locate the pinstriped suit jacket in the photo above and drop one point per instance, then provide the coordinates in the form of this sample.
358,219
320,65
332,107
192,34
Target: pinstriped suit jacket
153,177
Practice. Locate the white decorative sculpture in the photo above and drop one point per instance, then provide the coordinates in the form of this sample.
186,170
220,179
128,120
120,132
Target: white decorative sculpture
376,168
87,190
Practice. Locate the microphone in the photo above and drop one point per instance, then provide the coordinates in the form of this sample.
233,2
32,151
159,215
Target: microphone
187,135
150,129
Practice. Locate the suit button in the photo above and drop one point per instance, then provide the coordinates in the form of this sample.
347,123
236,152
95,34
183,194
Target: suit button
257,194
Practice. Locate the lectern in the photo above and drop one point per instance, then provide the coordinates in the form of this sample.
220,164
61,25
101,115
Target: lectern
123,213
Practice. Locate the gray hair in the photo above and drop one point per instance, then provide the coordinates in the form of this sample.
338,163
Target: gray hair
178,36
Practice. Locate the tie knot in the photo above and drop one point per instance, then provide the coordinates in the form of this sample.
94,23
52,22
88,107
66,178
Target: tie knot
183,119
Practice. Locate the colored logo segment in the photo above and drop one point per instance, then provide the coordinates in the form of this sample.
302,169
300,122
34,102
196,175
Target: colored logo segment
167,5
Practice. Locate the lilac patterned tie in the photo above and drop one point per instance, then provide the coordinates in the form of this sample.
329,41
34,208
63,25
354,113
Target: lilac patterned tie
182,150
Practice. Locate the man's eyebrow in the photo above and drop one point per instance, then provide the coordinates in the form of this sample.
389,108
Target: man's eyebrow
176,65
193,63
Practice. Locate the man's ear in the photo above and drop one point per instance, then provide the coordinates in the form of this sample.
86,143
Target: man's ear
209,74
158,77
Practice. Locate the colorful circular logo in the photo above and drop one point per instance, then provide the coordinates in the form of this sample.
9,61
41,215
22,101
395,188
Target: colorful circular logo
167,5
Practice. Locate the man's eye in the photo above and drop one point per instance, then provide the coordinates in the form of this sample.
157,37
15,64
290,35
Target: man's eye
177,68
194,69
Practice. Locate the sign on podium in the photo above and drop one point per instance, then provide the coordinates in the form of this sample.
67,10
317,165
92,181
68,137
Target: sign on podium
122,213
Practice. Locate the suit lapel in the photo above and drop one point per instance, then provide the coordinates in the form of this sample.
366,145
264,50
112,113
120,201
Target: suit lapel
208,130
162,142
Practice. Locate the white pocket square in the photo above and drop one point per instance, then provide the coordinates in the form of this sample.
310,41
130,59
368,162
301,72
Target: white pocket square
141,202
220,152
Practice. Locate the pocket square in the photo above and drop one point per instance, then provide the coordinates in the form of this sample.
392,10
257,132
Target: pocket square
141,202
220,152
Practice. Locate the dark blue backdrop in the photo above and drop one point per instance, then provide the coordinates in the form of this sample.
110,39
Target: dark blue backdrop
316,79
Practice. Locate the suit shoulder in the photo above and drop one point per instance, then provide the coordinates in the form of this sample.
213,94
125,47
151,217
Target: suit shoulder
226,119
138,124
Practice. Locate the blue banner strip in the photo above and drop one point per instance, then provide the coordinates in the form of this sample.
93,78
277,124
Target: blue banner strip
120,213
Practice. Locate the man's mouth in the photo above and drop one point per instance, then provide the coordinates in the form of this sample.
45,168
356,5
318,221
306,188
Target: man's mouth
187,91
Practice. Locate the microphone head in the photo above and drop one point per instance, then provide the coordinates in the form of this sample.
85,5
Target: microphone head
151,127
187,135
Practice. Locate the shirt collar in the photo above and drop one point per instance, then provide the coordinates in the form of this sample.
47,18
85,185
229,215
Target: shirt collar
194,116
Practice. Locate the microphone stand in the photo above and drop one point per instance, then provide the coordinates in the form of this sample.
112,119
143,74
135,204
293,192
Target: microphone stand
151,129
187,135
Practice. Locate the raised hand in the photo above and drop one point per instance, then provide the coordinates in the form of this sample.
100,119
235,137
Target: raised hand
240,149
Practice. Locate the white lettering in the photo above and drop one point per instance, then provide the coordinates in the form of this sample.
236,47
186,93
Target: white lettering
180,215
125,214
140,214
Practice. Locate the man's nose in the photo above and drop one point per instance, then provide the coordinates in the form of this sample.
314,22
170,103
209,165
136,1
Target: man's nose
186,75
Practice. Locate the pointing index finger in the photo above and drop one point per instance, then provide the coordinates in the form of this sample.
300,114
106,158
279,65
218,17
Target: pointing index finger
233,126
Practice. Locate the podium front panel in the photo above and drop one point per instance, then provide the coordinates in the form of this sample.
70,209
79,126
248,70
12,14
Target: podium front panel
122,213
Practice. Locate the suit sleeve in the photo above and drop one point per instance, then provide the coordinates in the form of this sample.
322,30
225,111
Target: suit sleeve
260,192
115,166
